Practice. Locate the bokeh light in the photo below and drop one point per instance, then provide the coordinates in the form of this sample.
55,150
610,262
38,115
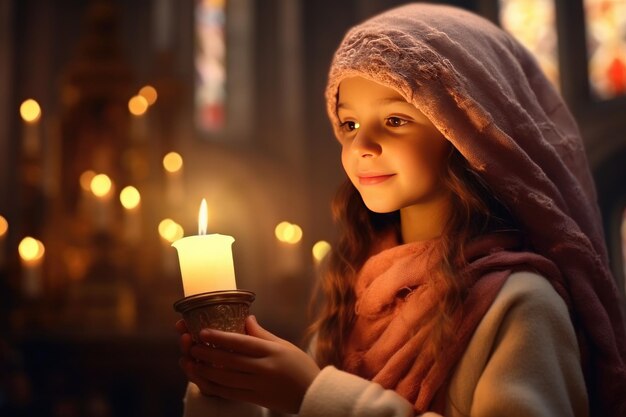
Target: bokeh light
30,111
170,230
101,185
172,162
31,249
149,93
320,250
130,197
85,180
137,105
288,232
4,226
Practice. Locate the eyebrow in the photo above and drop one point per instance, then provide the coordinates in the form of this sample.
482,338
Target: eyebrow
381,101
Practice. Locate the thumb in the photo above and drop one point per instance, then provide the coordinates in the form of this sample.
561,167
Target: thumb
253,328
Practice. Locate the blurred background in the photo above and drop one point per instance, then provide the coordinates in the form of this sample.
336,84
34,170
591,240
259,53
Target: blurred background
118,117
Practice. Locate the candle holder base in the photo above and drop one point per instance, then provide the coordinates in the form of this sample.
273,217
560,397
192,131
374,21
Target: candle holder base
220,310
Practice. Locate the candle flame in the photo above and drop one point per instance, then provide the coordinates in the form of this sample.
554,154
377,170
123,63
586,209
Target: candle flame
203,218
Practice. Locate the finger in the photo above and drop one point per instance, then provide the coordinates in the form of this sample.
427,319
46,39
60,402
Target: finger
190,370
204,387
225,377
186,342
211,388
240,343
253,328
223,358
186,365
181,327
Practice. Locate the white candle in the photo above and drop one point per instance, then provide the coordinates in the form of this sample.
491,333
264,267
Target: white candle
138,106
131,201
173,165
31,113
206,261
101,186
289,253
31,253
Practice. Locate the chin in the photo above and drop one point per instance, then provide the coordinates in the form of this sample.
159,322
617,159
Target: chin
380,207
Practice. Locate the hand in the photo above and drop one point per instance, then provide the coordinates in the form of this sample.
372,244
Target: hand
258,367
186,342
185,338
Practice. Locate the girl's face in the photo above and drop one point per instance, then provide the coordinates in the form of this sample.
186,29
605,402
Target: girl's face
391,151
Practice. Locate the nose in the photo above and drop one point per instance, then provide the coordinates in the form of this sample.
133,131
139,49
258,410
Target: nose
365,144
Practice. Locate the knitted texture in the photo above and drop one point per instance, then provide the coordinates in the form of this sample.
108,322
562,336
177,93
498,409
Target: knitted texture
396,296
486,94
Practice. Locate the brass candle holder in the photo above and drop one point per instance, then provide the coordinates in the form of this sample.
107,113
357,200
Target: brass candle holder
220,310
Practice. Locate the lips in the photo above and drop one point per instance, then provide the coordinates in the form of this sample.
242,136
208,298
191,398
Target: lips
373,179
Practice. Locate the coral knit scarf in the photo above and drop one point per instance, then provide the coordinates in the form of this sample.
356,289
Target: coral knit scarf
395,296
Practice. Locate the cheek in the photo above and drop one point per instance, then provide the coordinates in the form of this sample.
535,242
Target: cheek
440,151
345,160
434,154
424,163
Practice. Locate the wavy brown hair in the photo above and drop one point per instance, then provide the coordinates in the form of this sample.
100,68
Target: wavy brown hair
475,211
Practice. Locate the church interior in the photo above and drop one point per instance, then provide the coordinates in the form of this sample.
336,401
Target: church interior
118,117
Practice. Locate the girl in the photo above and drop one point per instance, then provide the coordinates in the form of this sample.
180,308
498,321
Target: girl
470,277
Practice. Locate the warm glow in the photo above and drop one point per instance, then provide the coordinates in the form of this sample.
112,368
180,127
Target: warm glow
203,218
170,230
130,197
101,185
279,231
4,226
288,232
137,105
172,162
320,249
149,93
30,111
293,234
30,249
206,263
85,180
165,225
77,261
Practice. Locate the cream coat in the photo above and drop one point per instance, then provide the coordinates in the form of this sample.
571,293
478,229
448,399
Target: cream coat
523,361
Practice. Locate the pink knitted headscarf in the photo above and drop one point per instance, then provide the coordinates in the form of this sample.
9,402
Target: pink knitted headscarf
486,94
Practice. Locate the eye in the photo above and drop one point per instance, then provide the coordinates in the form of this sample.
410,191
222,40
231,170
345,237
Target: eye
396,122
349,126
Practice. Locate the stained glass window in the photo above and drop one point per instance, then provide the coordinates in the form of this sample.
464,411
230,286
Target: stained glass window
533,23
210,64
606,47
